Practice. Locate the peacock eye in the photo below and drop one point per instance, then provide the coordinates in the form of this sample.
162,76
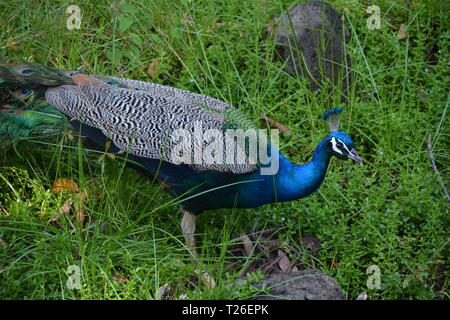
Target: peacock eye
26,71
10,111
26,91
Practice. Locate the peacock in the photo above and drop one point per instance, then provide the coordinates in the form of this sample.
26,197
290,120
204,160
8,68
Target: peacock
170,133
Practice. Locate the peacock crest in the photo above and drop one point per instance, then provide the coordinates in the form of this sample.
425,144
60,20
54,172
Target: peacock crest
331,117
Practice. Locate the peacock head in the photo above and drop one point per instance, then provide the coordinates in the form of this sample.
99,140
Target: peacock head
338,143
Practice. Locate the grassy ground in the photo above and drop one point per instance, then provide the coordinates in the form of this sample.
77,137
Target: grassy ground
391,212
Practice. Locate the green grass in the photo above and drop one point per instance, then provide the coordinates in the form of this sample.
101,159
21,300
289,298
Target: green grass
390,212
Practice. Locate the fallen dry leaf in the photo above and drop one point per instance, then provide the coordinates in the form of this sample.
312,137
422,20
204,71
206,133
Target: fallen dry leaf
183,296
285,264
335,264
402,34
80,213
64,209
206,278
405,282
121,279
153,68
276,124
79,209
247,243
162,291
64,185
362,296
273,254
271,266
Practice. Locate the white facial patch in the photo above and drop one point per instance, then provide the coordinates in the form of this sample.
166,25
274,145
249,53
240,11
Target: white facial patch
334,145
345,146
336,148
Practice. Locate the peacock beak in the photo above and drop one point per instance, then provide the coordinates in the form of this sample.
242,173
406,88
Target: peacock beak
354,155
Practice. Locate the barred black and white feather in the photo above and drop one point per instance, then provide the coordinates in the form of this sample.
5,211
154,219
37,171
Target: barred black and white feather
140,117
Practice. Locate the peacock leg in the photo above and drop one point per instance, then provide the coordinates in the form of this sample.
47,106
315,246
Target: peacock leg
188,228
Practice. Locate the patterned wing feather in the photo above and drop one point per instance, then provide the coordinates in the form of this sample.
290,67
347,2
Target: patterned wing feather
144,122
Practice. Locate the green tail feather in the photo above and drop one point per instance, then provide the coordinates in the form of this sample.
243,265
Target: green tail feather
39,119
23,109
31,75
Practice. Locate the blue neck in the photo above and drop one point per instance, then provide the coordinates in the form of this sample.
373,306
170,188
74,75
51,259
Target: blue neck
321,157
302,180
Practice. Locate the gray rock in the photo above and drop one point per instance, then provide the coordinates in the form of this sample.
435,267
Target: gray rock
316,48
301,285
